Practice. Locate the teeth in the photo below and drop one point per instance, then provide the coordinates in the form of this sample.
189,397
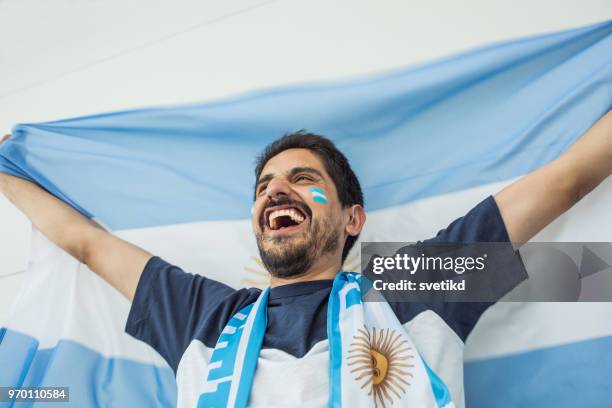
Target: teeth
294,214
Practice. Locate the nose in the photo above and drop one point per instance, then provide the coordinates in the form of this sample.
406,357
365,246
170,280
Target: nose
277,187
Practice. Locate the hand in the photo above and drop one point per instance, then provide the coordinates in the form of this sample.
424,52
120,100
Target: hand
3,176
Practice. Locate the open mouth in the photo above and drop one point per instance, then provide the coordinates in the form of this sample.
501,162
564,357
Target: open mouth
283,218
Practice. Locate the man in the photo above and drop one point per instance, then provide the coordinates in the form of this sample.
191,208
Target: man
307,213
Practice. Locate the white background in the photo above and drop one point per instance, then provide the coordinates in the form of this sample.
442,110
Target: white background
66,58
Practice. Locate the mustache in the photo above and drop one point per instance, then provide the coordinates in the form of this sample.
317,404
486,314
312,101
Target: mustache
285,201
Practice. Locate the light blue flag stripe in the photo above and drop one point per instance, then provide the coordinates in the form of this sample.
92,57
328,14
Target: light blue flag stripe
474,118
94,380
567,376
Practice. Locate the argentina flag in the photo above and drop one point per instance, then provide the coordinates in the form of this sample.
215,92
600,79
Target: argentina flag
427,141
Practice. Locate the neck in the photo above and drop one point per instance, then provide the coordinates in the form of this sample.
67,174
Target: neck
315,273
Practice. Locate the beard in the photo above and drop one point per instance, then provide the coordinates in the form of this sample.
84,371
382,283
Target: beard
292,256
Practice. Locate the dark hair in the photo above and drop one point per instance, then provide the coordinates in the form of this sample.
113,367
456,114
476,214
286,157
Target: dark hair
336,165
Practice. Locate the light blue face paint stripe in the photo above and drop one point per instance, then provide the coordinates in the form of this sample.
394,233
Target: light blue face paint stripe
318,195
317,190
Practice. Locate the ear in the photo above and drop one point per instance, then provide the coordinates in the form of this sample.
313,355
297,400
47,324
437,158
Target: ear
356,219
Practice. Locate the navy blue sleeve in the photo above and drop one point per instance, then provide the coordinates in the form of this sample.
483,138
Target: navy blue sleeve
483,223
172,307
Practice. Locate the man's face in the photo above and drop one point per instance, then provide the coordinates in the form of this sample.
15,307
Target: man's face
297,217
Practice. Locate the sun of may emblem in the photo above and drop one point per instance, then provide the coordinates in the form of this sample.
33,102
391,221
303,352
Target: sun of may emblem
381,362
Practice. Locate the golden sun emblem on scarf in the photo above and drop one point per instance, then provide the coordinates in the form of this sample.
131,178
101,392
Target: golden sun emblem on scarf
380,359
259,277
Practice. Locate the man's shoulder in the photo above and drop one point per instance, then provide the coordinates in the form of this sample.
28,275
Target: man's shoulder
189,306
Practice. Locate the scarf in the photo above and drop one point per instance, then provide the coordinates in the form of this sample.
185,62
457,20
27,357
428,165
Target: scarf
372,360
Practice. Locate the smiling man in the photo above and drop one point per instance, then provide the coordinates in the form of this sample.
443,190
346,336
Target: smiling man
301,233
309,340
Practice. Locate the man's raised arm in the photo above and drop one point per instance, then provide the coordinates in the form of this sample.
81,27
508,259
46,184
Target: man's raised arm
115,260
534,201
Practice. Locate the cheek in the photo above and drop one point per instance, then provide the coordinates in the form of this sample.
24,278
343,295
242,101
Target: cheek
327,213
256,211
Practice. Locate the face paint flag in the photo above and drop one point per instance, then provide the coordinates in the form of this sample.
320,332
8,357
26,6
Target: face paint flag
318,195
427,143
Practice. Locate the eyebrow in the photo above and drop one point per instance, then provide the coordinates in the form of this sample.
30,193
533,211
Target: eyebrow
292,172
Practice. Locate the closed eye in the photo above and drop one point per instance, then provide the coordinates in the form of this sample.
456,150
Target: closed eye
262,188
303,177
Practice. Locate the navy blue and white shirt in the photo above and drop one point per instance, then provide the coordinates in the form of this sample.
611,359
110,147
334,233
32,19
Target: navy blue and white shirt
181,315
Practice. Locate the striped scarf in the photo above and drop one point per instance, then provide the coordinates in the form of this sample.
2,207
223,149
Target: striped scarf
372,360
